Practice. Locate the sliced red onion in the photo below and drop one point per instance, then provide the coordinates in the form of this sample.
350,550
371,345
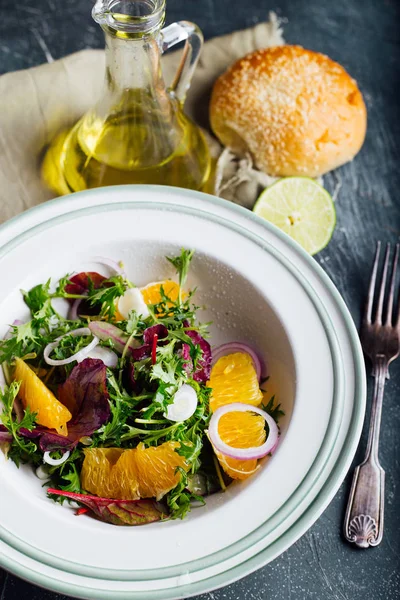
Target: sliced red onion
232,347
106,331
79,356
112,264
109,358
73,312
243,453
55,462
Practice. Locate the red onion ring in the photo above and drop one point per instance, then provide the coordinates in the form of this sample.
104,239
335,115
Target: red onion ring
112,264
78,356
243,453
232,347
73,311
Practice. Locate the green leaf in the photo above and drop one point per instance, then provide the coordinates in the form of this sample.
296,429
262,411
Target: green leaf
181,264
62,283
25,332
179,499
167,376
106,296
21,448
273,410
132,323
73,478
37,296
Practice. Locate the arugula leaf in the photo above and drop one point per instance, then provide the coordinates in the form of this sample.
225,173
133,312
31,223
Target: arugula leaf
62,284
181,264
132,323
179,499
107,295
20,447
37,296
25,332
273,410
72,476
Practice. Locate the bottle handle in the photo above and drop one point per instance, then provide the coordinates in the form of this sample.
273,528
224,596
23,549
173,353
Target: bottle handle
172,35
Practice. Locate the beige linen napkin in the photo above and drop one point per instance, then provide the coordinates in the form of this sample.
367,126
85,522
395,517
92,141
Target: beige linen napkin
37,103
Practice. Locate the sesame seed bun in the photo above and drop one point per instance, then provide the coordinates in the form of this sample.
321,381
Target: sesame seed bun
296,111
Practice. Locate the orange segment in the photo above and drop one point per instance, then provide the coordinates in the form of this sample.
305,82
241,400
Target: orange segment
154,468
237,469
234,379
240,430
151,293
96,473
34,394
131,474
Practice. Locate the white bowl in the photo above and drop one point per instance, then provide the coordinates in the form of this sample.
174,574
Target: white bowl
258,287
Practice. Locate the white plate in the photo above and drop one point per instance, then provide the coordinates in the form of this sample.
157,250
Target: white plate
259,287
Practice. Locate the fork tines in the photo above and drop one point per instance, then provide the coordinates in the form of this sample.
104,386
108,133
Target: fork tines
368,318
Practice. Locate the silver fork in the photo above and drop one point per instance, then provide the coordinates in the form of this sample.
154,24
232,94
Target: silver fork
380,339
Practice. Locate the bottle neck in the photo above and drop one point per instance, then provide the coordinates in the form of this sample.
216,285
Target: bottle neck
133,63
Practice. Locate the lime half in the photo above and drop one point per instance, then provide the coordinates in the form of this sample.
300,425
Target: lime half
301,208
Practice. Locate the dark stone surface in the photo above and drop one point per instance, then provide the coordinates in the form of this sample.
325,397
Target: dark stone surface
363,35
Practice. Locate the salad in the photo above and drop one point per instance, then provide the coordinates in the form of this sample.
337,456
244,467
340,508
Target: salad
122,406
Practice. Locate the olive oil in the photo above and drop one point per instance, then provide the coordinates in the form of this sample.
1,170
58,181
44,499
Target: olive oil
124,149
137,131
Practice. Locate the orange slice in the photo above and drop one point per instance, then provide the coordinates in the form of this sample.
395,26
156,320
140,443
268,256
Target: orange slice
234,379
240,430
34,394
152,294
138,473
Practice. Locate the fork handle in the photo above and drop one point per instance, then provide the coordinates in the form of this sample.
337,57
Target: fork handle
363,523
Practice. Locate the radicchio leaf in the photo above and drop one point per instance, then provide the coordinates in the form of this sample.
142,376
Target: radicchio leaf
148,334
86,396
118,512
202,373
80,285
141,352
129,379
148,337
81,282
5,435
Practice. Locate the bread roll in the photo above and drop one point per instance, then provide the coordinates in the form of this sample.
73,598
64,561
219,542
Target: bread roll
296,111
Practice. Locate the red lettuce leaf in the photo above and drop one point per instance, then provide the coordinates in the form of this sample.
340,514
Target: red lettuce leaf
141,352
148,334
80,283
86,396
203,370
129,379
118,512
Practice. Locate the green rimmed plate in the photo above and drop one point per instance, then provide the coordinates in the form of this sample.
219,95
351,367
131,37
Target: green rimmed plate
258,286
